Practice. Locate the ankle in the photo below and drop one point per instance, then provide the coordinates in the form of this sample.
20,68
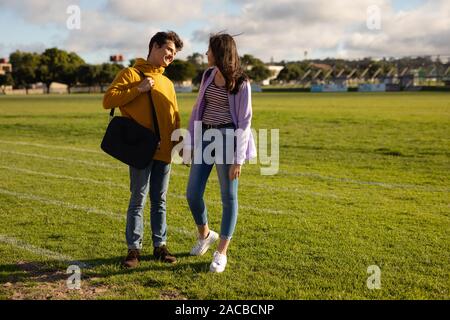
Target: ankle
204,235
223,252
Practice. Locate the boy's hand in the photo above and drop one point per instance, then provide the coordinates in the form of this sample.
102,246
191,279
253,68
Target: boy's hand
146,85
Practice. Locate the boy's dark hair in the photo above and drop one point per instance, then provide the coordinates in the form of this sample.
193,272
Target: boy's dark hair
161,39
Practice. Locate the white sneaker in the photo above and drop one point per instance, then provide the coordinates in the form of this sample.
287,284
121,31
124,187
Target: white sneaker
203,245
219,262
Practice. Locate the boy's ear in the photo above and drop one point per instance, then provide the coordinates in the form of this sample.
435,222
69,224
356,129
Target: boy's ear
156,46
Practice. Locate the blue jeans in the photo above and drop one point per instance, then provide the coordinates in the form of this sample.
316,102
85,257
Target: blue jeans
156,178
198,177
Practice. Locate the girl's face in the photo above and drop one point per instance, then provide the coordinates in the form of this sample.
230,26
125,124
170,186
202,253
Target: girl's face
211,60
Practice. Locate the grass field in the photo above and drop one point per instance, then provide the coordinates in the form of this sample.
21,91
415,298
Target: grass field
363,180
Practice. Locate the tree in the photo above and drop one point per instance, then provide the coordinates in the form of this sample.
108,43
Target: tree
197,59
51,65
107,73
6,80
291,72
88,74
255,68
179,71
248,60
197,79
59,65
259,73
68,72
24,65
284,74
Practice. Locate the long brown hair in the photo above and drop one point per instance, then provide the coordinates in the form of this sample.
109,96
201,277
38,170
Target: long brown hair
227,60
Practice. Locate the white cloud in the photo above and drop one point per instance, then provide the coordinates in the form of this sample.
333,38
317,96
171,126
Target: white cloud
123,27
282,29
285,29
175,12
425,30
39,11
105,34
100,31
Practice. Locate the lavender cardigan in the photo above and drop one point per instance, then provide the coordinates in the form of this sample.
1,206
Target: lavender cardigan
241,113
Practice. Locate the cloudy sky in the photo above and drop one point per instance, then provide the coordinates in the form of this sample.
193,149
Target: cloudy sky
282,29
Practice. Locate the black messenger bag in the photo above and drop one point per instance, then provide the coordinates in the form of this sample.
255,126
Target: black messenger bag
128,141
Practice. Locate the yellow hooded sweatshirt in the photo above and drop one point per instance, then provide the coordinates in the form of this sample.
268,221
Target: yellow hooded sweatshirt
123,93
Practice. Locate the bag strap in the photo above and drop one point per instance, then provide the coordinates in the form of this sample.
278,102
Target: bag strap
152,107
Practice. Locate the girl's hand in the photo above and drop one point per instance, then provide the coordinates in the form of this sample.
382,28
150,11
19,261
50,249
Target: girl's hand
235,171
187,158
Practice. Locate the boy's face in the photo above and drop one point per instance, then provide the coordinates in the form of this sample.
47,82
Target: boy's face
165,54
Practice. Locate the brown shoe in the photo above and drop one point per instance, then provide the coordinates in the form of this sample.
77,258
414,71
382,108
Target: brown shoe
132,259
163,254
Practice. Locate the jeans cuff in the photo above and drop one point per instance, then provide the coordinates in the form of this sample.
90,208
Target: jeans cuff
159,244
134,247
202,224
224,237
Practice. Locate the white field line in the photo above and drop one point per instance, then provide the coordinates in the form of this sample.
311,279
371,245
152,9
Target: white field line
361,182
40,251
288,190
49,146
84,162
105,165
281,172
271,188
218,203
68,160
113,184
47,201
59,176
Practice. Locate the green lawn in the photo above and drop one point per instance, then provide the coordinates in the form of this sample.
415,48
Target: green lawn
363,180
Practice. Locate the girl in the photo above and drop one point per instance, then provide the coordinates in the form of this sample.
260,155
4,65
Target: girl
224,105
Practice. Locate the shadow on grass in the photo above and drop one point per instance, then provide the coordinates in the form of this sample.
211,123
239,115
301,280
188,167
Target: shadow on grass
54,270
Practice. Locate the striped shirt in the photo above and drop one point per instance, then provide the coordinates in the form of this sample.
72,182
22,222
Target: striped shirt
217,108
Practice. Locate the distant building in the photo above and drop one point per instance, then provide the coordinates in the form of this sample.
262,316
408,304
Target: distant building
447,81
5,66
323,66
116,58
56,87
275,71
184,86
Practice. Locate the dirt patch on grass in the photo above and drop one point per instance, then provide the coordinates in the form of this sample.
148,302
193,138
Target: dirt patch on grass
171,295
37,283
